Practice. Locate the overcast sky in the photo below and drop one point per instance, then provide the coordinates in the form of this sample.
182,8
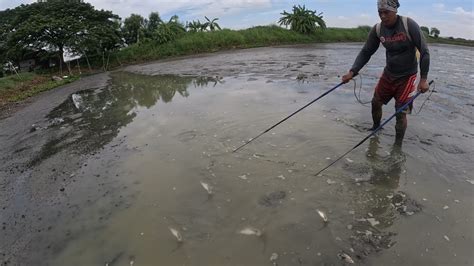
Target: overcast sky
452,17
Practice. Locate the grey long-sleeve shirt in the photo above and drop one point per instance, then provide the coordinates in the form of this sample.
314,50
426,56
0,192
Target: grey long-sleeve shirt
400,51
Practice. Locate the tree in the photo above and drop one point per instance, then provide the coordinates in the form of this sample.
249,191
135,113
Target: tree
435,32
154,21
56,25
133,28
211,24
67,1
194,26
6,18
302,20
168,31
99,41
425,30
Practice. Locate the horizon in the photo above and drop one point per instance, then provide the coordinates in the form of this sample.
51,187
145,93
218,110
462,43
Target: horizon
453,18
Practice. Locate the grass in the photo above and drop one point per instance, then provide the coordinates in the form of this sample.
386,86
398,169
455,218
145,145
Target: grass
15,88
204,42
9,82
453,41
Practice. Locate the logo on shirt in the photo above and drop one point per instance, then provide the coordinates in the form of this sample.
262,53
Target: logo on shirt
399,37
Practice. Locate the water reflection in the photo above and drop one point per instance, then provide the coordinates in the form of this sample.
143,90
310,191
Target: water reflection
145,91
90,119
204,81
376,201
385,177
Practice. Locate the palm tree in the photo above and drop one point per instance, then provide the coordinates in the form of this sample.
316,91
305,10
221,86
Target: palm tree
211,24
194,26
168,31
302,20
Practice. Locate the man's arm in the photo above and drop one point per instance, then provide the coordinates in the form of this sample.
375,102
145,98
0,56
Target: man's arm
370,47
420,43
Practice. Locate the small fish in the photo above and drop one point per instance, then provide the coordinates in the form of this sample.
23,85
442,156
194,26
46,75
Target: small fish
207,187
372,221
176,234
323,216
346,258
243,177
250,231
274,258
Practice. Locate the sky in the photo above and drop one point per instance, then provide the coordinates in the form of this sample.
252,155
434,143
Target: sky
452,17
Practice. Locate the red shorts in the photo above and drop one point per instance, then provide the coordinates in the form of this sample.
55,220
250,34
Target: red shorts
398,88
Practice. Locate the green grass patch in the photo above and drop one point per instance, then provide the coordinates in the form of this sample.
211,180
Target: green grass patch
16,88
204,42
260,36
452,41
10,82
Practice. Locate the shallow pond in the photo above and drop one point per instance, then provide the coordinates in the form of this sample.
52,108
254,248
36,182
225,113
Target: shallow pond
155,140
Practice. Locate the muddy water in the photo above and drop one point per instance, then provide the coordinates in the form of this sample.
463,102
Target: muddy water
156,132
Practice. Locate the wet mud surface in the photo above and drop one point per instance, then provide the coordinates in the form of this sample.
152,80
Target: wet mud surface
135,167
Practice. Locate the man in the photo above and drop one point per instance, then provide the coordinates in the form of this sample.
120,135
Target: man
399,76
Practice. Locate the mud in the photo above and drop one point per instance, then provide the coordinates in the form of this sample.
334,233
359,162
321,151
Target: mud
272,199
95,172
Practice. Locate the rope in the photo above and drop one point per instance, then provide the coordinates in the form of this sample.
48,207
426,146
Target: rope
427,98
360,89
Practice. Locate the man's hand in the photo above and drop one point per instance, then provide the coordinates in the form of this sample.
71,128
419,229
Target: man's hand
347,77
423,86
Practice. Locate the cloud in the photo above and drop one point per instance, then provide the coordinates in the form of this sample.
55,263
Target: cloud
459,11
351,20
439,6
453,18
455,22
189,8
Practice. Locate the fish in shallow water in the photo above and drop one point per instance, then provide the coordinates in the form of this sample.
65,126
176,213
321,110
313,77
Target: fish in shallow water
207,187
323,216
346,258
250,231
176,234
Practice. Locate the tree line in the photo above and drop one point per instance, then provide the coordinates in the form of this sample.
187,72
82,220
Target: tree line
53,27
434,32
49,28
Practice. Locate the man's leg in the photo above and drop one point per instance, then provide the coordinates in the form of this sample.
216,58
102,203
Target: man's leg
404,88
400,128
376,113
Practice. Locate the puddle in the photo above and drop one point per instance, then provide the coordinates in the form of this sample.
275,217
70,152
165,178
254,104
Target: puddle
158,156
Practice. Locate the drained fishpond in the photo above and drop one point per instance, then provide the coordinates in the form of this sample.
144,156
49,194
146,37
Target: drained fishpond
140,170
